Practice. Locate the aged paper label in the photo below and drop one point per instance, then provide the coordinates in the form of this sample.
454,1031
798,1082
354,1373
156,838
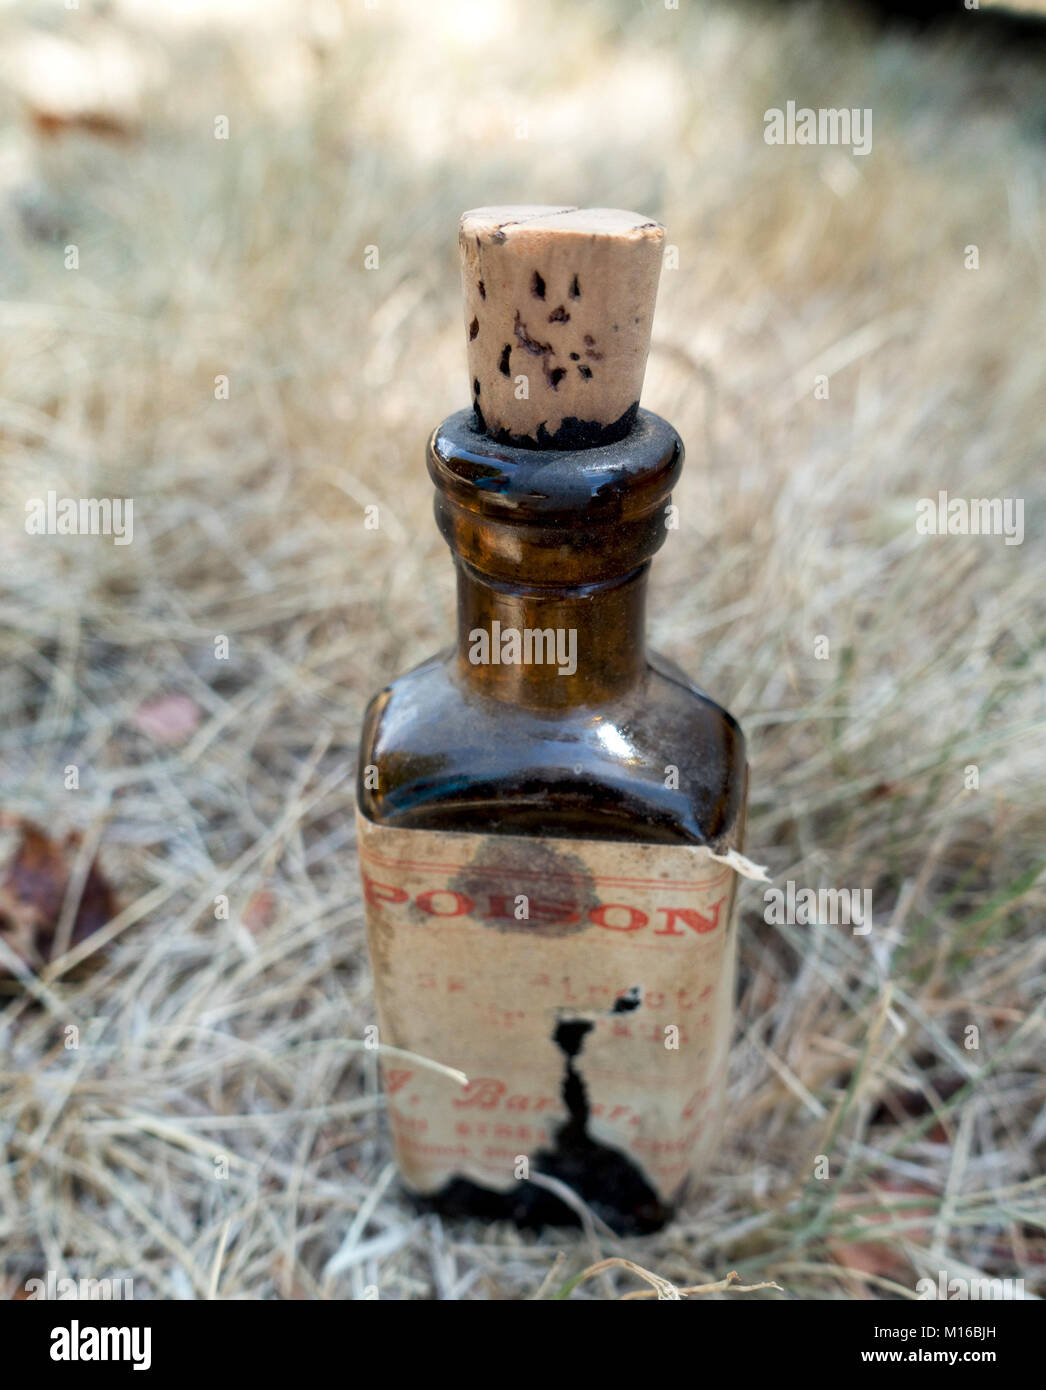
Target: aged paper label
484,945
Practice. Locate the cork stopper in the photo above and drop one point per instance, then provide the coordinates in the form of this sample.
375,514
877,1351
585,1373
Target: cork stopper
559,304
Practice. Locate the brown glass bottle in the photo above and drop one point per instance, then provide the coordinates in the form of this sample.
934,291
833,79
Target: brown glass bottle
626,748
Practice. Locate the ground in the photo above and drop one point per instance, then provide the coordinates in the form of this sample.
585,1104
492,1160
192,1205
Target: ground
251,337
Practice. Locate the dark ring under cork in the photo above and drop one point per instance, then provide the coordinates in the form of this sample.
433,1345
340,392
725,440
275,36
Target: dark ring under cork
579,515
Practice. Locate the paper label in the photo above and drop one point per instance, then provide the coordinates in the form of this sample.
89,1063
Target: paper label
483,945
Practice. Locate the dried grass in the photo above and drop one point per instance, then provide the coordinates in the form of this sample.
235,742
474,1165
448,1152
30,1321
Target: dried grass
205,1040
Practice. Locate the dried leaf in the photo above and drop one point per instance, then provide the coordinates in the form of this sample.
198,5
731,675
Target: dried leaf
260,911
884,1257
33,891
169,718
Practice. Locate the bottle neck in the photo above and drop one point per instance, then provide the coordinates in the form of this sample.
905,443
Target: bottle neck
552,549
551,648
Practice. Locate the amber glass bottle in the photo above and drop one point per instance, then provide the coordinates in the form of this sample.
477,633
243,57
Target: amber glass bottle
626,748
545,806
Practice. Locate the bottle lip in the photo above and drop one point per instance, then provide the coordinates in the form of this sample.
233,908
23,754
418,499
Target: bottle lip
622,481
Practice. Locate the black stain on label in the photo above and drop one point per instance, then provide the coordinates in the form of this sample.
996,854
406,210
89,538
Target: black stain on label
606,1178
631,999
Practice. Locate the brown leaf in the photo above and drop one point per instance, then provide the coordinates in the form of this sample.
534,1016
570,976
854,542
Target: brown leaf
871,1257
260,911
169,718
33,890
53,123
883,1257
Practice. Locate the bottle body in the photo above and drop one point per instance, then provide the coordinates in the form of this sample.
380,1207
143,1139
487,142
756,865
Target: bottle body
604,749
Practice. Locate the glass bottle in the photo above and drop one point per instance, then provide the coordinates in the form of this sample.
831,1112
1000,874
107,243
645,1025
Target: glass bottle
622,748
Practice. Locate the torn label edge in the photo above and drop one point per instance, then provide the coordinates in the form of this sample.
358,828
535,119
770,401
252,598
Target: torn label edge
740,864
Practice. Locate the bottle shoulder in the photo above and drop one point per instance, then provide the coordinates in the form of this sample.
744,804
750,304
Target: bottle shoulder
663,763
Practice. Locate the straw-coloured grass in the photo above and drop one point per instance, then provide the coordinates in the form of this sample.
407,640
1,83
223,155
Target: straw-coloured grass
219,1128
